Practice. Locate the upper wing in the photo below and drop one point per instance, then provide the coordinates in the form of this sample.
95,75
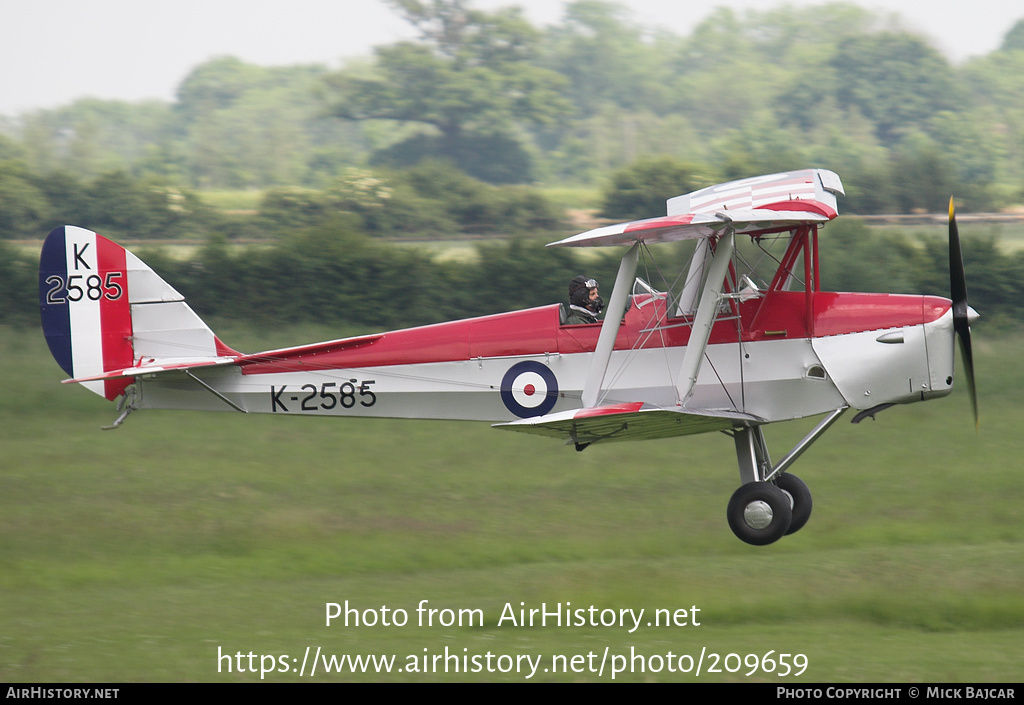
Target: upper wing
757,205
691,226
633,421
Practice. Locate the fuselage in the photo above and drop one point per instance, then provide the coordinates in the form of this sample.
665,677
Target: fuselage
780,356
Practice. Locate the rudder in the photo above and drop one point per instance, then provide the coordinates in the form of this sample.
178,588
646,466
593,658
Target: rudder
104,309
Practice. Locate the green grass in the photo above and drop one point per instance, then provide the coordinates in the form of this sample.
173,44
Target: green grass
133,555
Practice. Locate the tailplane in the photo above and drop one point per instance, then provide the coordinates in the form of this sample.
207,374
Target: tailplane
104,310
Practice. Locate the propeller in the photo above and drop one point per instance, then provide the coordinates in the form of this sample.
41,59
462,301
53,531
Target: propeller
962,313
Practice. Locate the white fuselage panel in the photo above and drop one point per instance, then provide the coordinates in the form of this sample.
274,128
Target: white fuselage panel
773,380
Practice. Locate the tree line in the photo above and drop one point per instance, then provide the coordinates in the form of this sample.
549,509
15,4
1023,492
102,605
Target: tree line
505,101
432,198
335,274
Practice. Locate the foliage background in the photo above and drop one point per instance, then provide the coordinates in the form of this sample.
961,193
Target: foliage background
840,87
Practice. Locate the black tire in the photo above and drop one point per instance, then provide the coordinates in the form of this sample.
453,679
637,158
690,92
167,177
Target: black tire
759,513
801,500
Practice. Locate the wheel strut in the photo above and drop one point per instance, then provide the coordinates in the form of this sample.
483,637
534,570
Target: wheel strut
769,503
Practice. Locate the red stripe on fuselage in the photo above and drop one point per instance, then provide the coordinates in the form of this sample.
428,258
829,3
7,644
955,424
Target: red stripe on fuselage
836,314
537,331
526,332
115,313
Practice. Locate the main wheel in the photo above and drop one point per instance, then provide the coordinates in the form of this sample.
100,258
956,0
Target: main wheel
797,489
760,513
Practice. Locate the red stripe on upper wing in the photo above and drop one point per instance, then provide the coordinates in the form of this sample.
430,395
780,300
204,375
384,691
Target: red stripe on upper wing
803,206
666,221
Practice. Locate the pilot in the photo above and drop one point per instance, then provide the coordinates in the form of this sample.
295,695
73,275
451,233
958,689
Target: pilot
584,302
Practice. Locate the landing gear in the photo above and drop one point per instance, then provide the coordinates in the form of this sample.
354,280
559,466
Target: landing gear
801,498
760,513
771,503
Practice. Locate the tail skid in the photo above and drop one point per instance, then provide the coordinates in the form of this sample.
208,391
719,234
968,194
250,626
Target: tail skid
107,315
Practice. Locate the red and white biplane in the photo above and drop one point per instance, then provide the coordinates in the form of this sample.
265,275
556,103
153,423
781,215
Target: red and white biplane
743,338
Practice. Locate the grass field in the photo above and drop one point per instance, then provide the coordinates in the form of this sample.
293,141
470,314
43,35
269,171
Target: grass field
145,553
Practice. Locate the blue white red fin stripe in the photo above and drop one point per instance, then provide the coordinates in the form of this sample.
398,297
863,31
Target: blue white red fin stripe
84,305
56,317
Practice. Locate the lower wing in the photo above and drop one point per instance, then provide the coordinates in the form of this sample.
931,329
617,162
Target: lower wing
634,421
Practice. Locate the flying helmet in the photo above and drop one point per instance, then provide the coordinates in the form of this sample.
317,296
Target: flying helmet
579,293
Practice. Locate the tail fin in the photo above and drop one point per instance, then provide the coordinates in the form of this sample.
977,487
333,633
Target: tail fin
104,309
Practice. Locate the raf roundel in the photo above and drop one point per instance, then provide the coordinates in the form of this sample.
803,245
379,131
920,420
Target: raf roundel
529,389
